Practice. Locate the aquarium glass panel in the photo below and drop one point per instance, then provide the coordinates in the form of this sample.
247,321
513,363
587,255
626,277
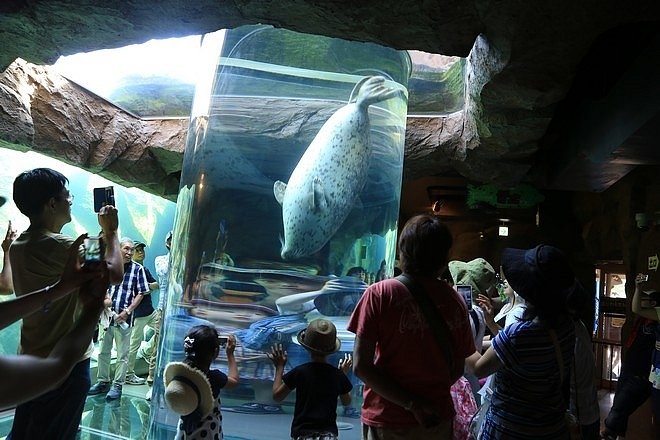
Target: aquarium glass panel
287,209
142,216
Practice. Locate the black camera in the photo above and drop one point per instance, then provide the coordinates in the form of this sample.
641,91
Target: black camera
103,196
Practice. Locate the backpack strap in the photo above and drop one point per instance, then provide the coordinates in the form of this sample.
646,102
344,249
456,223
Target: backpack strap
437,324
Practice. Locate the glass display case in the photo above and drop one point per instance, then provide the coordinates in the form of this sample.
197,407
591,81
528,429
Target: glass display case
291,178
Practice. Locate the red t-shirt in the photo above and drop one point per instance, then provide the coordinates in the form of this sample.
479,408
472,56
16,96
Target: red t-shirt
406,347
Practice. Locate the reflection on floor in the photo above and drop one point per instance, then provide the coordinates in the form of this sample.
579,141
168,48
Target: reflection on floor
128,419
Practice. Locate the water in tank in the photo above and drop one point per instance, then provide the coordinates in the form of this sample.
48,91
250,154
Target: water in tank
287,208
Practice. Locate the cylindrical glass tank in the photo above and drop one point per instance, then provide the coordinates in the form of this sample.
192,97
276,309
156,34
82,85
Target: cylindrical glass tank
291,178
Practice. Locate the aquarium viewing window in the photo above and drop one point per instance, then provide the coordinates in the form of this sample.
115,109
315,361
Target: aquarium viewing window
287,209
157,78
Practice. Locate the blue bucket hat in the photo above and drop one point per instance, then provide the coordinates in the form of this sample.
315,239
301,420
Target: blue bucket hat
540,274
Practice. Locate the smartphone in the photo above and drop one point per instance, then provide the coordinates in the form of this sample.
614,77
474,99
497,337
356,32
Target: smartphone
94,251
466,292
223,341
104,196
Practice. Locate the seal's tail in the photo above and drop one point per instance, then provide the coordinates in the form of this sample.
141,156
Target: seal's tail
370,90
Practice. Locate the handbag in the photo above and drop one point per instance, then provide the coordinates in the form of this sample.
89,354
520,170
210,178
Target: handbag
572,422
437,324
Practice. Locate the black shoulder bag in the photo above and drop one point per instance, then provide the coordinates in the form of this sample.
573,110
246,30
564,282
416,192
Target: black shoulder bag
436,322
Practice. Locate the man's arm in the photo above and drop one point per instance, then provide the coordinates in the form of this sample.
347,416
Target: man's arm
72,277
26,377
6,283
151,281
109,222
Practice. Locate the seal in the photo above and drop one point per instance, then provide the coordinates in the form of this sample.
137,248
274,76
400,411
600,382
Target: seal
331,173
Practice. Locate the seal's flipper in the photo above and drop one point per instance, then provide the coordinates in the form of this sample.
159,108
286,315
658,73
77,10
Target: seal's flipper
318,201
374,90
279,188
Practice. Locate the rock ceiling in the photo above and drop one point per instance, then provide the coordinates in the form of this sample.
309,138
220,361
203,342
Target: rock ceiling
562,94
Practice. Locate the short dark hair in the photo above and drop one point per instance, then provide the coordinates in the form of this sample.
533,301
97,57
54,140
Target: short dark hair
424,245
33,189
355,271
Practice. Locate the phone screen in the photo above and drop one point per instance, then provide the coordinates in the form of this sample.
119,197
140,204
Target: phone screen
93,249
103,196
466,293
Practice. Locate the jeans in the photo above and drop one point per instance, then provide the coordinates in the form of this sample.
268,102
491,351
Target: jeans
122,339
56,414
631,393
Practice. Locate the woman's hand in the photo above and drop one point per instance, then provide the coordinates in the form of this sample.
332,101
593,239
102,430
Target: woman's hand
486,305
346,363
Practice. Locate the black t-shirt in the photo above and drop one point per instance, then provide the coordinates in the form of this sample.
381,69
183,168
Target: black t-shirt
145,308
317,385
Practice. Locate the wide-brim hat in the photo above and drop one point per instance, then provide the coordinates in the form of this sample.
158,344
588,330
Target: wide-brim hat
320,337
187,389
477,273
539,274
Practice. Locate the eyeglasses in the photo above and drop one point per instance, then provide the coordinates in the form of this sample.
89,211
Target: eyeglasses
69,198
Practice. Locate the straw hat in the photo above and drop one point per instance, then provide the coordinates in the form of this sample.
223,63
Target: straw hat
320,337
187,389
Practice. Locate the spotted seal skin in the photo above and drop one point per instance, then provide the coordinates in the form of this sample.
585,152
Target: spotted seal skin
331,173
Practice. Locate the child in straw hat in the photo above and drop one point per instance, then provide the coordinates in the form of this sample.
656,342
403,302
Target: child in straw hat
318,383
192,387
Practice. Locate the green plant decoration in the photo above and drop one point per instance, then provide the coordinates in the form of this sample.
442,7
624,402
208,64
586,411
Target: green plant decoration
520,196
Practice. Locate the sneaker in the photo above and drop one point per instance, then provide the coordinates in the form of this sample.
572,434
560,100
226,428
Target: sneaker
114,393
148,395
99,388
134,380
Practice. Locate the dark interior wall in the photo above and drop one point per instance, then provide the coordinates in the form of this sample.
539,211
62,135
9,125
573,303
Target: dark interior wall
588,227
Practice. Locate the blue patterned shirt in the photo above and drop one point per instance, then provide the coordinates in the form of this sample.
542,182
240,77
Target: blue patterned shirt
133,284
